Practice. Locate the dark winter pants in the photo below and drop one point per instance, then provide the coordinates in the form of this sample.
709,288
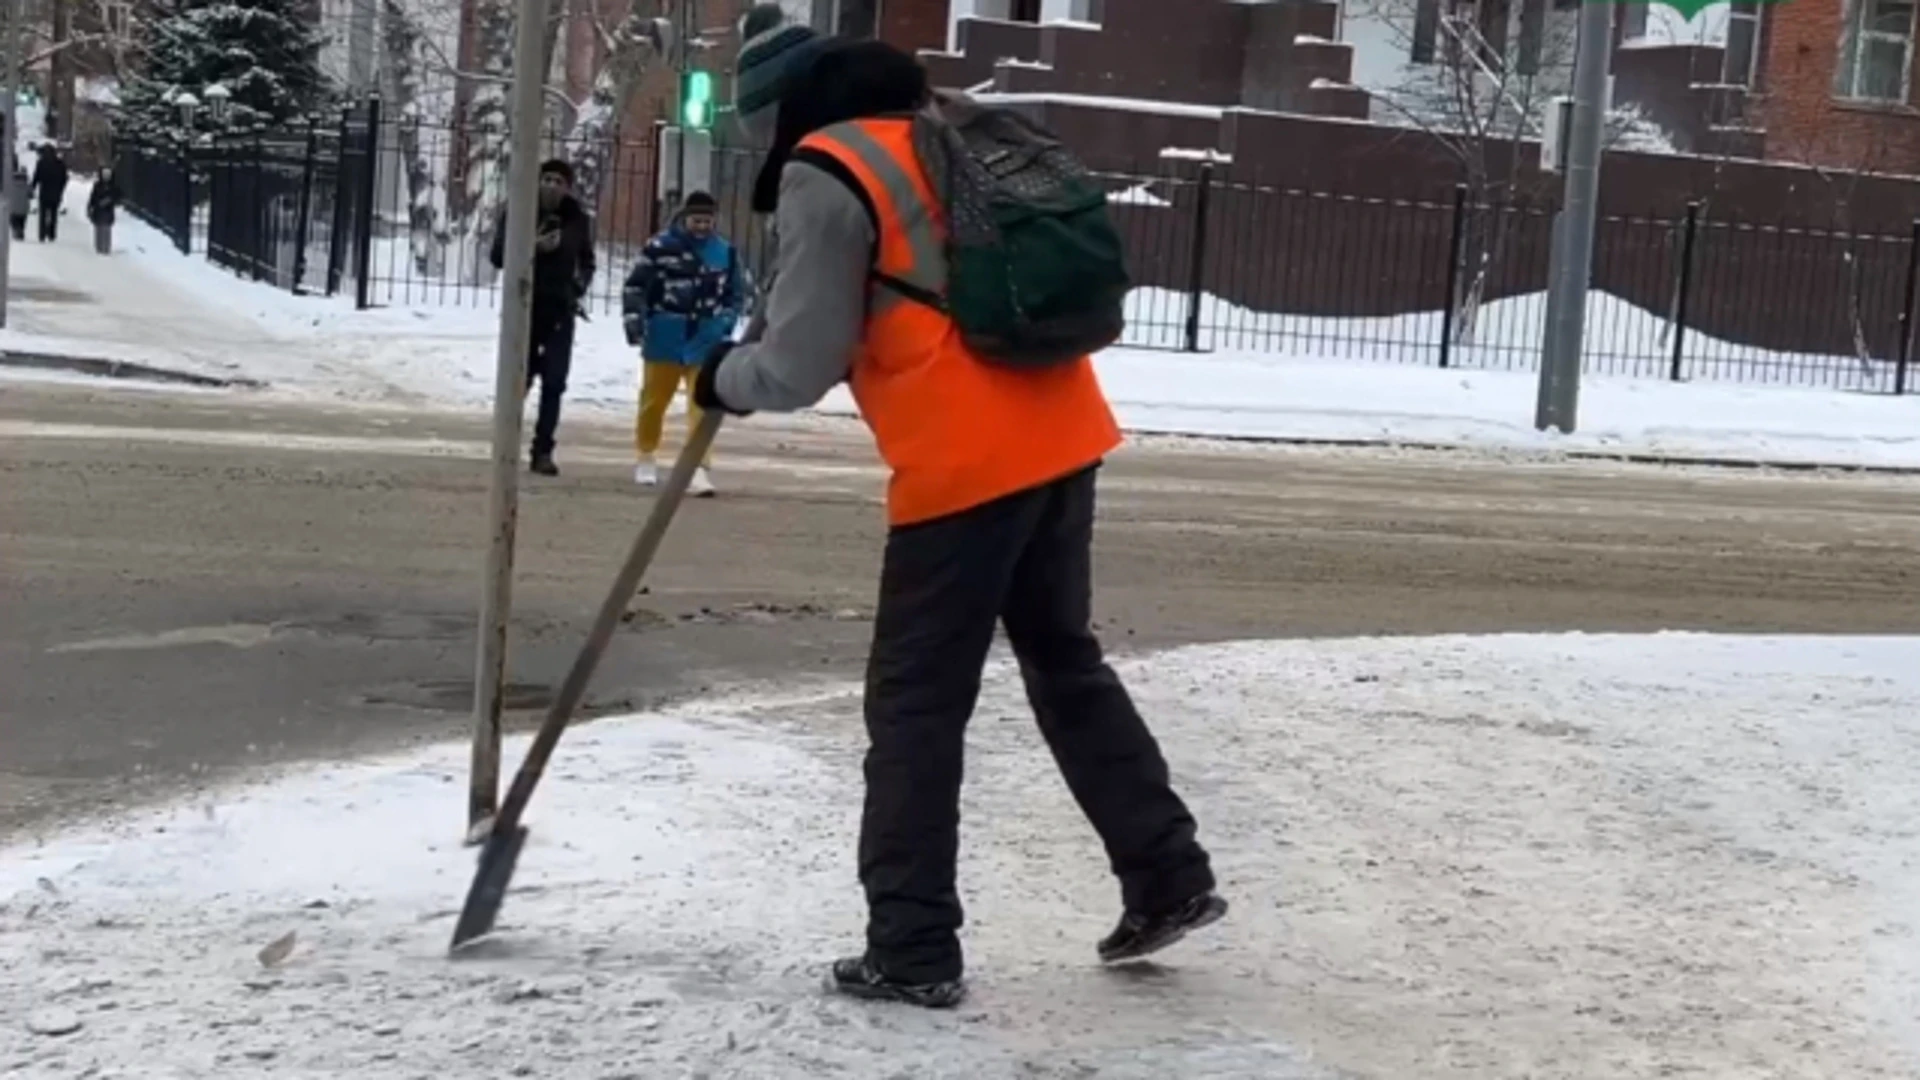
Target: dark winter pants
19,223
549,357
1024,562
50,216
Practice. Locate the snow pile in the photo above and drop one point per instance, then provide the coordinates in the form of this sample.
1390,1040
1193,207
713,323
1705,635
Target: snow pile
1088,101
1257,396
1140,194
1622,339
1271,376
1598,856
1189,153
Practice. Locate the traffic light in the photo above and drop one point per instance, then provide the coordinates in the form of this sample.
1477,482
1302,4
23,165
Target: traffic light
696,100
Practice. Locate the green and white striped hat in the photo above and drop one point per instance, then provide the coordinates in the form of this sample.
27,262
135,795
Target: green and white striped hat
771,49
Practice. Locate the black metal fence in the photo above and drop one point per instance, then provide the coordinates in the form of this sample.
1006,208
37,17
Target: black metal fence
1234,265
284,207
158,187
404,212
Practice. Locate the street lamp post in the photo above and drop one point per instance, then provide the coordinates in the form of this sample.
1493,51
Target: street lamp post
188,106
219,102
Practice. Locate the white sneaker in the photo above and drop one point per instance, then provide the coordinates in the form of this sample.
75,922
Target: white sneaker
701,486
646,474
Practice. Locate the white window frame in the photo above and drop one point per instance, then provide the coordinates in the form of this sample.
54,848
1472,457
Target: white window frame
1748,11
1849,74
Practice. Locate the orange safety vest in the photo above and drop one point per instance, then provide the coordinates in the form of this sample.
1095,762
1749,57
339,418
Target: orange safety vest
956,431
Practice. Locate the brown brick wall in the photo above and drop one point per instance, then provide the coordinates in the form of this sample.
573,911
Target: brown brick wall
1803,120
914,24
1333,218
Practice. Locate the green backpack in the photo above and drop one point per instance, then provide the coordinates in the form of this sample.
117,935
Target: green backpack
1036,275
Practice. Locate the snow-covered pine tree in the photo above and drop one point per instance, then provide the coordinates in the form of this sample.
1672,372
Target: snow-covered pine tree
405,41
265,52
485,169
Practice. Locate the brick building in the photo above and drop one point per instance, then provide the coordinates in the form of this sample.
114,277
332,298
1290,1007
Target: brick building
1830,82
910,24
1837,83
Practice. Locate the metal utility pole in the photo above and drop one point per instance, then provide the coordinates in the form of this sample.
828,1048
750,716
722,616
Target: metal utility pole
688,12
10,56
1571,269
60,74
509,389
360,44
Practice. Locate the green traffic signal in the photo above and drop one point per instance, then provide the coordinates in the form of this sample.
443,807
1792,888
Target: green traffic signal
696,100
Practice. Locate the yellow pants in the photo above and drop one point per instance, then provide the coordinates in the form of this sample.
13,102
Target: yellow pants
659,381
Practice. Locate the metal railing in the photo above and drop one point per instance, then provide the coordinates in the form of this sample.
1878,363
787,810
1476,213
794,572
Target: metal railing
405,212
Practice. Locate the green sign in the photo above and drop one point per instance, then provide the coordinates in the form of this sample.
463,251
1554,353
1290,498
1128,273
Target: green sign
1687,8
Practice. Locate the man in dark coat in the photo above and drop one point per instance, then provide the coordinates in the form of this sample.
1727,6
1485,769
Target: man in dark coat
50,184
563,268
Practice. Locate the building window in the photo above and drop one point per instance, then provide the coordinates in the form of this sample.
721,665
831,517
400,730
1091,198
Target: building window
1876,51
1026,11
1743,40
1633,22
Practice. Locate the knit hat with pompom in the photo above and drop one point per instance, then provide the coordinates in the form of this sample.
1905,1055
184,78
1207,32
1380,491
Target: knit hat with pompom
772,49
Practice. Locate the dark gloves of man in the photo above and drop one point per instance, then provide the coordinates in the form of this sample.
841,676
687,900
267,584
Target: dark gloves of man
705,394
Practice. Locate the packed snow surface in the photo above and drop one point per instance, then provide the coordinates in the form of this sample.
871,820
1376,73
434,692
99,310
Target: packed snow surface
1502,857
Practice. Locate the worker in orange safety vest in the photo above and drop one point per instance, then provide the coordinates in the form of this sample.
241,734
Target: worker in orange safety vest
990,509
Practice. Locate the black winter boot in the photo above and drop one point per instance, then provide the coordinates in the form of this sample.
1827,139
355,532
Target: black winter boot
1140,935
857,976
543,465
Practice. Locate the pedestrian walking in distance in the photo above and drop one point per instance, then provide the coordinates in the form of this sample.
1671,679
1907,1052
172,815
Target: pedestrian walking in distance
993,425
102,202
19,202
681,300
563,267
50,186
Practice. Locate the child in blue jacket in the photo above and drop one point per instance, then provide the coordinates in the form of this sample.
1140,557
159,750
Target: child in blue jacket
681,300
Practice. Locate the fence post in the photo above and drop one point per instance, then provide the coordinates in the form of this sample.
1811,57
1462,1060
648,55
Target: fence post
653,176
363,228
1907,312
1691,229
1197,256
1454,242
257,242
183,235
337,236
301,228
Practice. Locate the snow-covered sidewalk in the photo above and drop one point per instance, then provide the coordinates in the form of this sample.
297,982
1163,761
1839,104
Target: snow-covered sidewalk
1505,857
149,304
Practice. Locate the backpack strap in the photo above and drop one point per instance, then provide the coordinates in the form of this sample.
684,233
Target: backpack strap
927,284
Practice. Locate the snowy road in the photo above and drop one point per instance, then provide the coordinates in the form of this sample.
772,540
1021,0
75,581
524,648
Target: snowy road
1525,857
197,583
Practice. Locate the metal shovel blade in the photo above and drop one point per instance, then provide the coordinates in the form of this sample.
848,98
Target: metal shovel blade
489,890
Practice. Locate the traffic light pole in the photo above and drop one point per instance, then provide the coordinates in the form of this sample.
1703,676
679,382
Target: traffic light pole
689,12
